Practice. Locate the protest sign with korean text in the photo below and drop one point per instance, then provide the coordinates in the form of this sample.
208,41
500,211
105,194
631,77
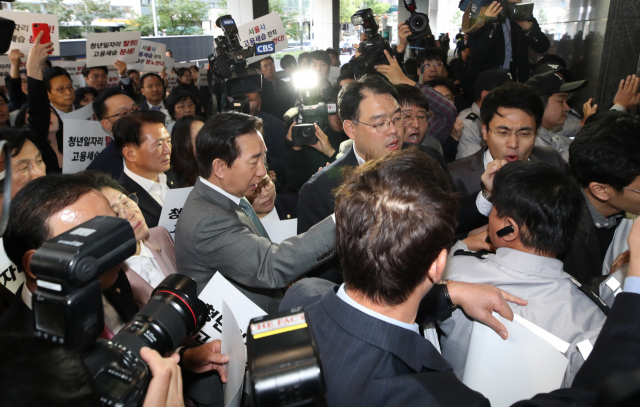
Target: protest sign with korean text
202,77
5,67
22,38
173,82
151,57
83,141
74,68
83,113
107,48
263,29
173,202
10,276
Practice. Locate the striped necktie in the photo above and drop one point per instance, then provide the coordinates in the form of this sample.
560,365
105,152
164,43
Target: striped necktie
248,209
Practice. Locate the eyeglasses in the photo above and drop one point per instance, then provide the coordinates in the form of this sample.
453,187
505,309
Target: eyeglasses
124,112
429,65
187,106
383,127
524,134
267,184
121,205
422,119
632,190
97,77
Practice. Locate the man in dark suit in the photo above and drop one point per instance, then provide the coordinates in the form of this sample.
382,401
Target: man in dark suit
372,118
109,107
604,161
97,77
152,87
145,144
218,230
277,96
511,115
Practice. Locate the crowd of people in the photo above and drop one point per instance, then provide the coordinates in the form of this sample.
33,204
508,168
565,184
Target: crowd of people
439,192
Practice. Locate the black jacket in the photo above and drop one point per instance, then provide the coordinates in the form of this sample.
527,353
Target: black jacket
39,118
108,161
276,99
149,207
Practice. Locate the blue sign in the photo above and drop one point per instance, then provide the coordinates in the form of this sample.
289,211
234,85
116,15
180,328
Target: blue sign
265,48
228,22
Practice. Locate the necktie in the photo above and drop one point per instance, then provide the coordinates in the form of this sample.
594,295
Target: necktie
248,209
158,108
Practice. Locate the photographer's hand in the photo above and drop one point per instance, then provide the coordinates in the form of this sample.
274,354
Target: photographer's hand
393,72
493,10
403,33
165,388
297,148
206,357
323,144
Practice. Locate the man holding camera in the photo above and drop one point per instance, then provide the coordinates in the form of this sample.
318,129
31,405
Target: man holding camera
501,42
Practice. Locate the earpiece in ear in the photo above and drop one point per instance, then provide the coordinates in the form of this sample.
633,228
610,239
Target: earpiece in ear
507,230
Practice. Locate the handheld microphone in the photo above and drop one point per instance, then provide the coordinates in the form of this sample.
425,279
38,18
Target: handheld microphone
290,114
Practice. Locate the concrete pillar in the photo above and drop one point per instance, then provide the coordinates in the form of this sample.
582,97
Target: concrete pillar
241,11
325,30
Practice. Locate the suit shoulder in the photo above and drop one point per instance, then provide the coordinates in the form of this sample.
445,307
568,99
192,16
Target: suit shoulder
305,292
460,165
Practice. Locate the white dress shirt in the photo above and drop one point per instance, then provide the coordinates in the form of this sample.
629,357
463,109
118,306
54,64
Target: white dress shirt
158,190
60,112
163,109
146,266
360,159
216,188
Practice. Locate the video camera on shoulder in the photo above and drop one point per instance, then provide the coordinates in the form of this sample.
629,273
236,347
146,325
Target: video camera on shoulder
372,49
69,311
228,62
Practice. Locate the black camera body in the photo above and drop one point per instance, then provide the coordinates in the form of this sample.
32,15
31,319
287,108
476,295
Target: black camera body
68,308
372,49
511,10
304,133
228,62
418,22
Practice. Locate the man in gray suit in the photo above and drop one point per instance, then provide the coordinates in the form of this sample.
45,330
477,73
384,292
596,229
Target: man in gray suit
511,116
218,229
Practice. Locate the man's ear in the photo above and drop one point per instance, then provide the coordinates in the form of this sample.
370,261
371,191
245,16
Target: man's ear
599,191
219,168
516,230
437,267
349,129
26,263
129,154
106,124
484,131
483,94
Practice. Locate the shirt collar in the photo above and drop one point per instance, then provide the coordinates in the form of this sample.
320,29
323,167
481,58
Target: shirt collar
60,112
271,217
342,294
545,134
475,108
160,105
145,183
528,263
216,188
360,159
487,158
598,219
26,295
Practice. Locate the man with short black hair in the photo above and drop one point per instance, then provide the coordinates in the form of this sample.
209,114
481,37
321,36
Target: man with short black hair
511,116
26,159
108,108
431,64
59,89
604,160
96,77
554,92
320,63
335,57
471,138
277,96
144,143
152,88
218,230
532,221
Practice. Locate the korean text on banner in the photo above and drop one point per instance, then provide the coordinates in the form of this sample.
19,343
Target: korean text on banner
23,37
172,207
5,67
202,77
263,29
173,82
83,141
217,290
107,48
151,57
74,68
10,276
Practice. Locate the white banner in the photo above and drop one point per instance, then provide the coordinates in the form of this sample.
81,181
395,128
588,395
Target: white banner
10,277
113,77
172,207
107,48
217,290
84,113
334,73
23,37
281,230
232,345
78,81
169,63
173,82
202,77
151,57
83,141
263,29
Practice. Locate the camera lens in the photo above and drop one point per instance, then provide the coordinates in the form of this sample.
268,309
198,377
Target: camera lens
173,314
308,132
418,22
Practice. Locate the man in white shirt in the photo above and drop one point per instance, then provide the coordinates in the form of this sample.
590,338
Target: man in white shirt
145,144
152,87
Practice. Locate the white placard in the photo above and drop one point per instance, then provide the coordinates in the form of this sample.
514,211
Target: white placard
23,36
84,113
525,363
217,290
169,63
5,67
107,48
281,230
202,77
113,77
83,141
172,207
10,276
151,57
173,82
74,68
334,73
78,82
233,346
263,29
